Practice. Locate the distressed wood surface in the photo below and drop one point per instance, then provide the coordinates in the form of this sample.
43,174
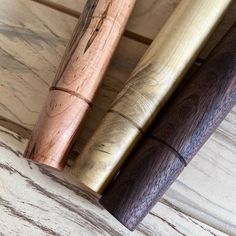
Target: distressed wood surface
150,85
36,200
32,41
31,47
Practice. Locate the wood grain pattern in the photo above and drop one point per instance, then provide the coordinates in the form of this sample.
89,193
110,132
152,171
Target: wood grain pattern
47,35
41,202
212,169
200,202
149,16
60,7
84,63
154,79
27,31
175,137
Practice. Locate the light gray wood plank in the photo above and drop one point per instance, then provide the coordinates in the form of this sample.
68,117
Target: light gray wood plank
32,41
39,201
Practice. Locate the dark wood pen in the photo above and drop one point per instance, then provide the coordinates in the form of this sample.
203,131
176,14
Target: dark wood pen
175,136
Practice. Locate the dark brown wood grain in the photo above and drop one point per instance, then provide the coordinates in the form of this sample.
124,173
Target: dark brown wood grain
135,190
175,137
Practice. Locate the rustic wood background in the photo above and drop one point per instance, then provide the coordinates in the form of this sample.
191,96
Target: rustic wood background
39,201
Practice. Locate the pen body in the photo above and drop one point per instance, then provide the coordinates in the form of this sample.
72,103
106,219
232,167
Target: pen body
71,95
151,84
175,136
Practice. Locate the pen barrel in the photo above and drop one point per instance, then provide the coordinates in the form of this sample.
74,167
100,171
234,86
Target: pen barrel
84,63
176,136
151,84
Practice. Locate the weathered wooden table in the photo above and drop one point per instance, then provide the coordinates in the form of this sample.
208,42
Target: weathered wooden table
37,201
